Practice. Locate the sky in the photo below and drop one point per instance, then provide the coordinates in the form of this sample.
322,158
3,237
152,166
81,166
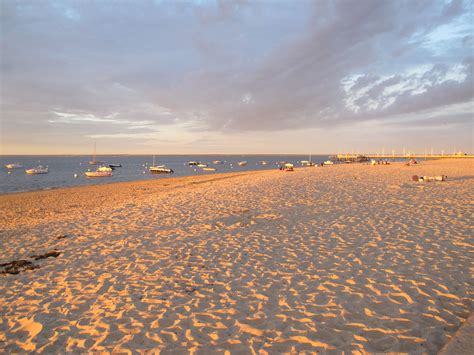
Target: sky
236,77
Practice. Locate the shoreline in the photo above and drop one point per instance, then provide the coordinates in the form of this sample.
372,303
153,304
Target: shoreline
350,257
105,182
125,183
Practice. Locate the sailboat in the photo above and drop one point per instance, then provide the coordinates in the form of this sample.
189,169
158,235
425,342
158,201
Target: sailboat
38,170
93,161
159,169
308,162
98,173
13,166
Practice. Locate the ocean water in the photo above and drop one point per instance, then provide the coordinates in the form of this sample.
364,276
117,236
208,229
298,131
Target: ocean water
134,167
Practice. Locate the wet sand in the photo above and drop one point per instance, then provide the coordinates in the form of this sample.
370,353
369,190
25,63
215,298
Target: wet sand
342,258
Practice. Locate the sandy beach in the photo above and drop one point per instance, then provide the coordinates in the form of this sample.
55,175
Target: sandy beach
350,257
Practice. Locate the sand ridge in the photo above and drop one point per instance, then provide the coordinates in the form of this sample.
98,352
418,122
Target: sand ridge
341,258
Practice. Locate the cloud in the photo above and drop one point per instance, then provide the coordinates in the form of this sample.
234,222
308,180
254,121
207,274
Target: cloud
77,118
370,94
227,68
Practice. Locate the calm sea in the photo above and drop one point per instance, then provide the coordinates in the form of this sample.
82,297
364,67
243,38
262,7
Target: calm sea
62,169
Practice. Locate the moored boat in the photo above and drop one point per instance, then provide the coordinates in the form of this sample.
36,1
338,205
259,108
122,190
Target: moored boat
13,166
216,162
38,170
98,173
288,167
308,162
202,165
209,169
242,163
193,163
160,169
328,162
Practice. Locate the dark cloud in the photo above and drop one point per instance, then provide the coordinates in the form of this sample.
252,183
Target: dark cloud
299,84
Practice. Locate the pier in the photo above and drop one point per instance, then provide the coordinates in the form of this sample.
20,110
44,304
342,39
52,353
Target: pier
355,157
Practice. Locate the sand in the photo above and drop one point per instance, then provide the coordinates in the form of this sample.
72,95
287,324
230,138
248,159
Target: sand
343,258
463,341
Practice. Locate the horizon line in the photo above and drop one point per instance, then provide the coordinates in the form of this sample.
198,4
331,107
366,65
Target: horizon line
181,154
245,154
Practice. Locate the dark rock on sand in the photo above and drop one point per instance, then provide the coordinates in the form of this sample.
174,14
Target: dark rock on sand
49,254
17,266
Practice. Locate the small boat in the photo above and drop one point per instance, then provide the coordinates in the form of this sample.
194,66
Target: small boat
193,163
159,169
209,169
328,162
115,165
38,170
98,173
242,163
264,162
216,162
308,162
201,165
13,166
287,167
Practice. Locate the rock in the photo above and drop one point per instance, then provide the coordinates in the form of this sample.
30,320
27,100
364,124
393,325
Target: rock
49,254
189,289
17,266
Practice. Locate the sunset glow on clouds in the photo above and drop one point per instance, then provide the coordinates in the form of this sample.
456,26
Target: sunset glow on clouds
236,77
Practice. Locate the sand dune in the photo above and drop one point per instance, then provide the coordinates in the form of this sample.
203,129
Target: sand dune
341,258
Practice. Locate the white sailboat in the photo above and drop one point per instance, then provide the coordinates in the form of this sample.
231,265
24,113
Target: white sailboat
159,169
308,162
38,170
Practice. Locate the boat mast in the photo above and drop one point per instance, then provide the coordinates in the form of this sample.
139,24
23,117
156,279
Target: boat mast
93,156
